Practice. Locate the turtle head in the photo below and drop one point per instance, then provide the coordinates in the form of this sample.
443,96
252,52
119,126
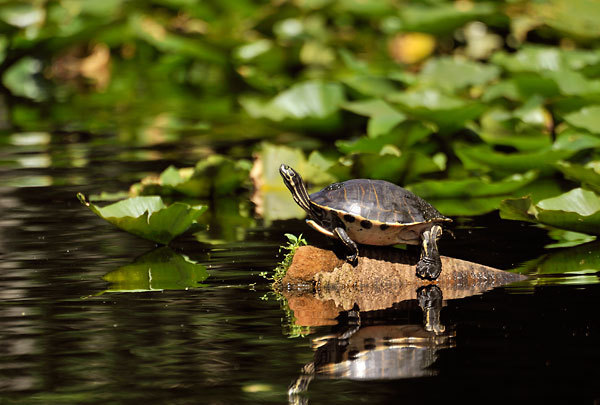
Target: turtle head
295,184
291,178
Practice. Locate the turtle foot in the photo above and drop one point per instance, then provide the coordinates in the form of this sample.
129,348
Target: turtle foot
429,269
352,259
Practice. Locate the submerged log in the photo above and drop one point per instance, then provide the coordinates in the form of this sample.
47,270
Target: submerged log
319,284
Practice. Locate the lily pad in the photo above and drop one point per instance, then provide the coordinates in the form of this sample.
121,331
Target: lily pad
403,136
383,117
472,187
313,103
214,175
160,269
271,197
446,111
524,129
577,210
455,73
587,118
148,217
588,175
484,157
580,259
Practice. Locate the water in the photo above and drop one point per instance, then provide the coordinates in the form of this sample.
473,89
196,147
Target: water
69,336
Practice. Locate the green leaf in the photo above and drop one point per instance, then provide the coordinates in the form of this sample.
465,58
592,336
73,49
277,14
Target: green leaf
215,175
442,17
403,136
575,140
148,217
161,269
451,73
577,210
396,168
576,17
447,112
383,117
588,175
308,103
483,156
587,118
471,187
582,259
522,129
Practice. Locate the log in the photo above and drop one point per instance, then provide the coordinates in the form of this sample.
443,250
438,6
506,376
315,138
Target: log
319,285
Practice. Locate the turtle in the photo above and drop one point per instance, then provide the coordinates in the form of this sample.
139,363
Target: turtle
372,212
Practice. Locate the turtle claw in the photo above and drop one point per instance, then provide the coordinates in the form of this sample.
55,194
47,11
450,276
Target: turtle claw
352,259
429,269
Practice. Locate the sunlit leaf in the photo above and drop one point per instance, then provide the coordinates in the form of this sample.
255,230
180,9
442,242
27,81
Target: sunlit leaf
471,187
443,17
577,210
213,176
509,128
160,269
484,157
456,73
396,168
311,103
271,197
587,118
448,112
148,217
576,17
383,117
404,136
580,259
588,175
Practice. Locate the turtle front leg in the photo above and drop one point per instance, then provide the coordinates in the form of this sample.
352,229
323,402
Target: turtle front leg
352,256
430,264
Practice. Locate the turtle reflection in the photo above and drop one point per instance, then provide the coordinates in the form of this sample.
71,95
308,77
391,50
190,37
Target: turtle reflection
369,349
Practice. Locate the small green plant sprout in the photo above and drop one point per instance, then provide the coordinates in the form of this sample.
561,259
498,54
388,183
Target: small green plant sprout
294,242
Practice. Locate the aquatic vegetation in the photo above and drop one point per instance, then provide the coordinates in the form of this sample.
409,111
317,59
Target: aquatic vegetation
148,217
294,242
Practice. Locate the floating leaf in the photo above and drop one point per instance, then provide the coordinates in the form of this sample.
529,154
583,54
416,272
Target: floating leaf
503,127
483,156
471,187
215,175
576,17
448,112
588,175
404,136
580,259
568,238
574,140
271,197
396,168
311,103
443,17
587,118
160,269
148,217
455,73
577,210
383,117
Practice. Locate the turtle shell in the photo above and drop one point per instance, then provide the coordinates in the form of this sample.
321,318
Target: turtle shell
377,212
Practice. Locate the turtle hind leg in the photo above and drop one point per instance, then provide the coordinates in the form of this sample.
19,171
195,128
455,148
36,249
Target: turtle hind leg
430,264
352,256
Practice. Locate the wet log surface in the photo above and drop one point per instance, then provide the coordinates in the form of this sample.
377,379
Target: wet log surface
319,284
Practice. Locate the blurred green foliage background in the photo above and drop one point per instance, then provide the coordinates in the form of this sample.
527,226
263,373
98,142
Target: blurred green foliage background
467,103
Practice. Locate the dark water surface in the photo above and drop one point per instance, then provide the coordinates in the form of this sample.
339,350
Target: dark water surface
216,335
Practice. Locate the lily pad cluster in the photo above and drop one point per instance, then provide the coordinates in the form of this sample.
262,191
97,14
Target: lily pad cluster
466,103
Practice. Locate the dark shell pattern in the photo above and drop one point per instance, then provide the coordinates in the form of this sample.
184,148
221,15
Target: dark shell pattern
377,201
